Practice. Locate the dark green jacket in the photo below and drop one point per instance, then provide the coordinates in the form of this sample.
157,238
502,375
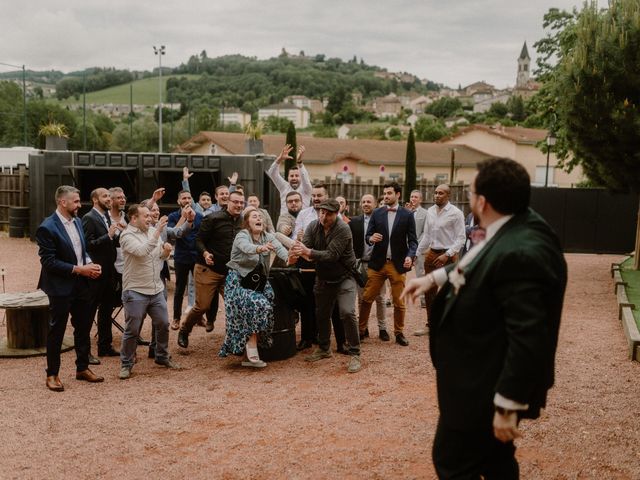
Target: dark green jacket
500,331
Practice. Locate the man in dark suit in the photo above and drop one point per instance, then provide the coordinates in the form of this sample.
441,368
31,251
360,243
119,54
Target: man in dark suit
100,236
495,328
66,268
392,232
358,226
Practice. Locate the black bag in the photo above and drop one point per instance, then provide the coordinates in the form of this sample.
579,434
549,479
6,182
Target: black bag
256,279
360,273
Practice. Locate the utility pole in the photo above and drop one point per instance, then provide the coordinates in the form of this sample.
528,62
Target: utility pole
159,52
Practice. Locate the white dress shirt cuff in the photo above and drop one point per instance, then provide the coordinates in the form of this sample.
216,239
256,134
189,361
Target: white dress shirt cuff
507,404
440,276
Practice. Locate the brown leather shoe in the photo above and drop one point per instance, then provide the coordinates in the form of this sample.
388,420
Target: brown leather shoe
89,376
54,383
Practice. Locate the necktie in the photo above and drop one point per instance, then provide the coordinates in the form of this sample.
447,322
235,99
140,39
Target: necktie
394,209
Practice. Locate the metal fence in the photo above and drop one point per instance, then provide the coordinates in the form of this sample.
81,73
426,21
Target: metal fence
14,191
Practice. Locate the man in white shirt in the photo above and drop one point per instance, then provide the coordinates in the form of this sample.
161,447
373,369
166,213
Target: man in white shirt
442,240
297,179
142,287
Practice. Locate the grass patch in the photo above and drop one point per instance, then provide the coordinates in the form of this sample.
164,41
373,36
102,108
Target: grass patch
632,277
145,92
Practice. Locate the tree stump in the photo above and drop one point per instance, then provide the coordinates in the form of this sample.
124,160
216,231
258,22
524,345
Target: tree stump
27,327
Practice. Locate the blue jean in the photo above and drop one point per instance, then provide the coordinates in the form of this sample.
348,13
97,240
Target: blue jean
136,307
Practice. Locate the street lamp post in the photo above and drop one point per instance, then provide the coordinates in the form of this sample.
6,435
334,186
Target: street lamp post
159,52
551,141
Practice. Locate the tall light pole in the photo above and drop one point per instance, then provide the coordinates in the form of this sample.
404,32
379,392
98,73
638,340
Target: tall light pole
159,52
24,98
551,141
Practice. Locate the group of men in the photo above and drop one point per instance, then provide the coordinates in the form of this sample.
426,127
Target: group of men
492,317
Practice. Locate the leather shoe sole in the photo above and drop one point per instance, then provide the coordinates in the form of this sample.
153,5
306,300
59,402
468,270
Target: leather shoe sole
54,384
88,376
401,340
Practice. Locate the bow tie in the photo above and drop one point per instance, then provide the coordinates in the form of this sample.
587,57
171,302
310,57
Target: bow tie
394,209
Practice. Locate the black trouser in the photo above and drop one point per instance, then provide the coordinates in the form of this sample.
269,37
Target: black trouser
102,302
308,329
182,279
338,326
79,306
467,454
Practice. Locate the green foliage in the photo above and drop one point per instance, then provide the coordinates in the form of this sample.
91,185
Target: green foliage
394,134
498,110
274,124
11,114
92,80
53,129
291,140
325,131
515,106
597,90
410,170
430,130
444,107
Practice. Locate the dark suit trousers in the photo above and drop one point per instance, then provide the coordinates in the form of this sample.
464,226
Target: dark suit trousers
79,306
467,454
102,302
430,295
182,278
308,330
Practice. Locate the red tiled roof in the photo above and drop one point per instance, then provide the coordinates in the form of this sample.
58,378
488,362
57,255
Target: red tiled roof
515,134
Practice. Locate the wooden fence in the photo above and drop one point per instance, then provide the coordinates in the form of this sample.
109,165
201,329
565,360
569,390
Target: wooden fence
14,191
353,191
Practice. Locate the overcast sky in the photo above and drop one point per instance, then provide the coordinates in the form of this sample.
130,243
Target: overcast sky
451,42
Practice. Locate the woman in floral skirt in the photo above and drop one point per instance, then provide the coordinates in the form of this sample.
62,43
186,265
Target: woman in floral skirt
249,309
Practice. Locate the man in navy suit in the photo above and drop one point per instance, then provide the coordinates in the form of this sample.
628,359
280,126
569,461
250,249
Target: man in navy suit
66,268
100,237
494,329
392,232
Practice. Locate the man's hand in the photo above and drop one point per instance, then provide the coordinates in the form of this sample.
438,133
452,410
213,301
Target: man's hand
185,174
440,261
91,270
375,238
416,287
162,223
113,228
408,262
284,154
233,179
208,258
267,247
286,229
301,151
186,212
166,249
505,427
159,192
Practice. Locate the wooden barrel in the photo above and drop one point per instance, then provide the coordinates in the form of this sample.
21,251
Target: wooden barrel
27,327
18,221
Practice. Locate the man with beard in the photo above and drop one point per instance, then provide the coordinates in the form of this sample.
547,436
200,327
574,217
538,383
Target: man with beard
362,249
184,256
442,240
66,268
213,242
297,180
142,287
287,221
327,243
100,235
494,328
118,218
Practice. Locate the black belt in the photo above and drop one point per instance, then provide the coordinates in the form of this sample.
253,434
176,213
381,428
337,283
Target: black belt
438,250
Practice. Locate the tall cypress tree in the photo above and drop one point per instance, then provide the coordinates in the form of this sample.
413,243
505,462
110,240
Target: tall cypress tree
291,140
410,172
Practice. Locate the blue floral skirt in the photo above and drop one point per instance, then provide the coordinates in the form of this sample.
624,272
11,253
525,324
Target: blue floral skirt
247,312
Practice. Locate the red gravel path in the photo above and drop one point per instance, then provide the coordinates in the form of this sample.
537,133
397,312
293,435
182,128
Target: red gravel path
294,420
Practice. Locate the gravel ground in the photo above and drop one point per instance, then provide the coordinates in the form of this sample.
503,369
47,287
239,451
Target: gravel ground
215,419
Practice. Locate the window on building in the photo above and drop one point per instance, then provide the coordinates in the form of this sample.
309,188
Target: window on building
442,178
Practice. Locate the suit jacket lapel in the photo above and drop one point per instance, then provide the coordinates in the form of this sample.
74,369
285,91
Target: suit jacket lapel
78,225
469,269
63,232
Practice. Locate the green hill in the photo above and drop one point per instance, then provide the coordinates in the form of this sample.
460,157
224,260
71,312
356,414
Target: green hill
145,92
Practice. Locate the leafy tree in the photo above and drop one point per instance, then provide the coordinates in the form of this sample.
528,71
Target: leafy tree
515,106
498,110
276,124
430,130
395,134
444,107
597,90
410,171
291,140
